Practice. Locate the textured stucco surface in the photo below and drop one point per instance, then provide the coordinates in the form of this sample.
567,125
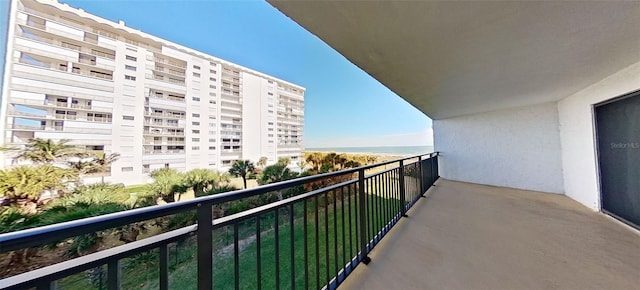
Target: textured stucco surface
518,148
577,133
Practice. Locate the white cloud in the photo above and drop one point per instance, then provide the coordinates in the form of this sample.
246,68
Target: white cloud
420,138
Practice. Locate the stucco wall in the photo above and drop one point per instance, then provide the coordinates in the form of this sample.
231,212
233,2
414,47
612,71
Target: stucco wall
577,133
518,148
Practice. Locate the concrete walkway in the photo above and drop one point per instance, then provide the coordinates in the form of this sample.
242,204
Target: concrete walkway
469,236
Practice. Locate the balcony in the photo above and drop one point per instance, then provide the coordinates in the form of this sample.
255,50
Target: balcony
367,228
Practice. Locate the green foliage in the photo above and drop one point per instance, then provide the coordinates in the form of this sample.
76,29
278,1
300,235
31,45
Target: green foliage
262,162
242,168
167,182
276,173
29,182
201,180
99,193
46,151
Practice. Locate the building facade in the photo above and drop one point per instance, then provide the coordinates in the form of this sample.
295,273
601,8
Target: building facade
107,87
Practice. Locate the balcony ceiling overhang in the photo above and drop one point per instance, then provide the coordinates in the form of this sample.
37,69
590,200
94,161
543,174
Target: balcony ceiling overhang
457,58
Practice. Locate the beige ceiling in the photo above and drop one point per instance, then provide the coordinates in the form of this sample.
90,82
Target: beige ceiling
451,58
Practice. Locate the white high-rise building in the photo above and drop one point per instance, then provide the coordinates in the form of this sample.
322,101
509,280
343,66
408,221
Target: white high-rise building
72,75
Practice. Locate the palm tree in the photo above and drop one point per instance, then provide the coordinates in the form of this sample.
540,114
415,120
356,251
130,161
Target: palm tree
276,173
29,182
262,162
201,180
46,151
166,183
241,168
315,159
102,162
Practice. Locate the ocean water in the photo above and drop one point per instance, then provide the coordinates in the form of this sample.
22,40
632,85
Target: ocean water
386,150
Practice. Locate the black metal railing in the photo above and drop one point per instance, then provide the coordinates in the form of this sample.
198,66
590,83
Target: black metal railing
313,239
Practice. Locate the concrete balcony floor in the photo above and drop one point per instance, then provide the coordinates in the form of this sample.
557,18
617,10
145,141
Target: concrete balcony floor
469,236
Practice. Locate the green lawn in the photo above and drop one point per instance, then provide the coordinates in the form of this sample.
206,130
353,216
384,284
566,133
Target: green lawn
334,251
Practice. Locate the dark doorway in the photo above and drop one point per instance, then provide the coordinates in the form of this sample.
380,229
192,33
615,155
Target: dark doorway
618,135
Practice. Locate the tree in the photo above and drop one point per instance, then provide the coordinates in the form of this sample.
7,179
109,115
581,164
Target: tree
314,159
46,151
166,183
241,168
102,162
29,182
284,161
201,180
276,173
262,162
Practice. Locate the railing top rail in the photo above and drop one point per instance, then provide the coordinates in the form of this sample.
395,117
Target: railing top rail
43,235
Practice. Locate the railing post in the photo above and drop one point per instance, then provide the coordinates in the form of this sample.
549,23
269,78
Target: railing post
403,198
434,168
363,219
113,275
205,247
421,178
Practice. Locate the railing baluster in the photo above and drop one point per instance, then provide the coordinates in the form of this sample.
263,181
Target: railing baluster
306,246
46,286
379,206
326,238
277,247
344,241
349,196
421,177
363,219
403,208
205,247
258,254
317,243
236,256
335,232
164,267
292,248
113,275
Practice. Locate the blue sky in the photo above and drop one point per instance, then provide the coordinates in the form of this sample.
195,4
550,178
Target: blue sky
344,106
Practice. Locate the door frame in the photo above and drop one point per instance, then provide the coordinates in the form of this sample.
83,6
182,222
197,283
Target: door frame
596,142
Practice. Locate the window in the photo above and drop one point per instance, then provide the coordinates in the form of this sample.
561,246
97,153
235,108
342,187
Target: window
127,169
132,49
212,86
195,139
213,63
270,129
145,168
195,123
132,58
270,111
195,131
196,99
212,79
130,118
212,147
270,135
130,67
270,123
212,132
195,148
196,67
196,75
128,77
212,125
212,94
270,141
195,115
270,94
271,82
212,117
212,102
212,140
212,71
226,162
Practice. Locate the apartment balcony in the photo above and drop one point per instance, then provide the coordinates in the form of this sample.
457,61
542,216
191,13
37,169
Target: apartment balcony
162,133
381,226
163,152
165,115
